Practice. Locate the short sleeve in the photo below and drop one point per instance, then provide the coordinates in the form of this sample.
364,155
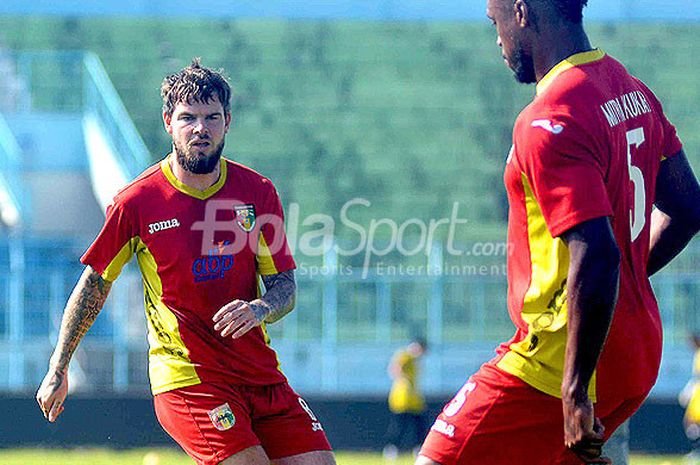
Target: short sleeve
672,143
565,174
114,245
273,254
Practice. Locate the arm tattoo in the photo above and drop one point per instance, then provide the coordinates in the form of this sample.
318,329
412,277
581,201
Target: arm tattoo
84,304
279,298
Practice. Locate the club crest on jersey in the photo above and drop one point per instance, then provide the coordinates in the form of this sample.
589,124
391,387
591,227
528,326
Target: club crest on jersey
222,417
245,216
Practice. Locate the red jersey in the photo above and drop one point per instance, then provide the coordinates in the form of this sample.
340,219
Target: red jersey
588,146
197,251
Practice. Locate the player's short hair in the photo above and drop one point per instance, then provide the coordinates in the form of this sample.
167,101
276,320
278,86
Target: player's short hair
195,83
571,10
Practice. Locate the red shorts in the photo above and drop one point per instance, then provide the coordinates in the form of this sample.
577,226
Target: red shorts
498,419
214,421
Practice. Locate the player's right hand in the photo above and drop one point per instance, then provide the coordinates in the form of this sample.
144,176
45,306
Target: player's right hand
52,393
583,432
235,319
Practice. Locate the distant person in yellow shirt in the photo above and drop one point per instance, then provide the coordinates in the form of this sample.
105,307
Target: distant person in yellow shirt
406,402
690,399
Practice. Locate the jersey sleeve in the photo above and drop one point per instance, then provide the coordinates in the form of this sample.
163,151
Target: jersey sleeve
273,255
566,177
672,143
114,245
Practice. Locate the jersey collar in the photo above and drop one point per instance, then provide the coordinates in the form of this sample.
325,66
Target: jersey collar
574,60
191,191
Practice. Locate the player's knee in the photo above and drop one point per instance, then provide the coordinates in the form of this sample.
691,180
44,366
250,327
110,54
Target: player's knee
324,458
328,458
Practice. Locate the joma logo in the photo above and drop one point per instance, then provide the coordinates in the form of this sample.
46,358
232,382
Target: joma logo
163,225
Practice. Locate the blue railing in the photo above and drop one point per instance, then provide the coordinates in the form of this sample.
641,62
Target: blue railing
343,323
76,82
10,165
10,151
102,101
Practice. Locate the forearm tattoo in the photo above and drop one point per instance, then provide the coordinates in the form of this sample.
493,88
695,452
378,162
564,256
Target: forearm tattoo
279,298
84,304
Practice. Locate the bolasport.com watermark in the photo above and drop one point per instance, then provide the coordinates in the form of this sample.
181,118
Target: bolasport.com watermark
373,245
388,270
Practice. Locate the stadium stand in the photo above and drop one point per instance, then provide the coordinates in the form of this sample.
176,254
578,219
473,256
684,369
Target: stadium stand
411,116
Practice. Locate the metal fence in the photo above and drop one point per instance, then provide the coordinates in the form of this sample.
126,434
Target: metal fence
76,82
103,103
12,197
338,340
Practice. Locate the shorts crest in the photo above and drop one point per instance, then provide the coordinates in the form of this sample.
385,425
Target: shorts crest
222,417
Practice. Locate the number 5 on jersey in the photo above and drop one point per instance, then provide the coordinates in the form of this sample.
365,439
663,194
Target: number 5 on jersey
635,138
459,399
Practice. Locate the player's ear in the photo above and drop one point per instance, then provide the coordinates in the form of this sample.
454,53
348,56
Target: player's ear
522,12
167,119
228,120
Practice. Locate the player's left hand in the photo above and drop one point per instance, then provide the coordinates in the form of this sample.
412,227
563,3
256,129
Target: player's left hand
235,319
583,432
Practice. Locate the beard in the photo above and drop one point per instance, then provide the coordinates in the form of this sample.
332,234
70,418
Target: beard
197,162
523,66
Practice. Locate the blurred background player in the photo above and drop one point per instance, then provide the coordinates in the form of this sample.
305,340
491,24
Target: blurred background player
592,155
203,229
690,399
407,424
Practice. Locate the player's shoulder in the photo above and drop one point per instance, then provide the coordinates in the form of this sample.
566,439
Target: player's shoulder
149,179
540,124
543,133
649,95
576,83
564,108
252,179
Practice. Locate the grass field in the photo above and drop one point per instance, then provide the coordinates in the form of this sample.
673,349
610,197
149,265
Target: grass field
173,457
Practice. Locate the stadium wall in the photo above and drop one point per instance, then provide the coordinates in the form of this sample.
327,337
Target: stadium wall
352,423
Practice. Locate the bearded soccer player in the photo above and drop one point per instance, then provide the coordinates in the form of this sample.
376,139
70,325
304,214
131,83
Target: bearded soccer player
592,155
204,231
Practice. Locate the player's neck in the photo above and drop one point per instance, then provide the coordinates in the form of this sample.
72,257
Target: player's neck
196,181
561,41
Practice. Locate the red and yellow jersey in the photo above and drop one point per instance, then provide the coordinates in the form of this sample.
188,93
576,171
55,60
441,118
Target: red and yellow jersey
197,251
588,146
